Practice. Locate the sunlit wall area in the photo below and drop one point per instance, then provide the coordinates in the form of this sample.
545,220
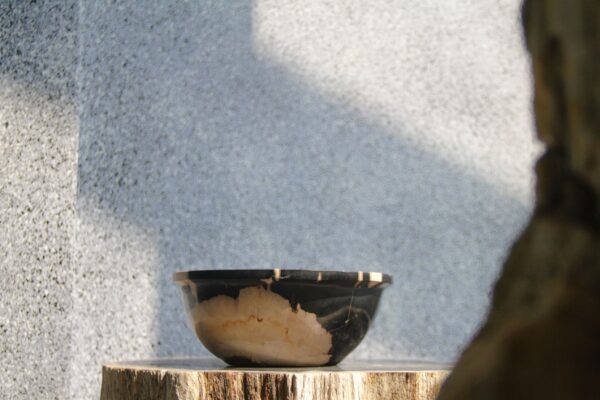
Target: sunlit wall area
449,76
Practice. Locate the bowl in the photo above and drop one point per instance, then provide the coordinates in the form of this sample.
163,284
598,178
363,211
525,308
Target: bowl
281,317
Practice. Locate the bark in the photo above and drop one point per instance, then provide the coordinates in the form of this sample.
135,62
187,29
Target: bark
195,382
542,335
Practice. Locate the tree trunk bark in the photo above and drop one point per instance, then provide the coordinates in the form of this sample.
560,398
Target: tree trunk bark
542,335
201,380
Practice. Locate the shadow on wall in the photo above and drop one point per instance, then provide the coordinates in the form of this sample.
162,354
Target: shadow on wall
230,161
38,133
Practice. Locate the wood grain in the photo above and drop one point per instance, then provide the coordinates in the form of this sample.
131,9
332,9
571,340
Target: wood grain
199,379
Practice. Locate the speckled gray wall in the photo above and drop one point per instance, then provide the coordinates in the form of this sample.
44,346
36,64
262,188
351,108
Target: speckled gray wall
342,135
38,169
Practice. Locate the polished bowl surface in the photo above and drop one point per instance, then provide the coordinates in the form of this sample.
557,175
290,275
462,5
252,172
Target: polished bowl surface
281,317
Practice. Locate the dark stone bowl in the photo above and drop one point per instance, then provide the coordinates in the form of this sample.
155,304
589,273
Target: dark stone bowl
281,317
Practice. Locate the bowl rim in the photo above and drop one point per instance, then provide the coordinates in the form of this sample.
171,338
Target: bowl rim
283,274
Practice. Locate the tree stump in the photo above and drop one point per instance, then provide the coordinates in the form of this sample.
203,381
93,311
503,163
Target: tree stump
208,379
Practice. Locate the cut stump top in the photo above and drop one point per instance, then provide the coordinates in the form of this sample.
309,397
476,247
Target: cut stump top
204,379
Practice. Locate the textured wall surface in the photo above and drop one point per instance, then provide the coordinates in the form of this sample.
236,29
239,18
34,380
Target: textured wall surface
341,135
38,169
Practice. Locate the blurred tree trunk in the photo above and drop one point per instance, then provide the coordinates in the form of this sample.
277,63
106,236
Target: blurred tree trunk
541,339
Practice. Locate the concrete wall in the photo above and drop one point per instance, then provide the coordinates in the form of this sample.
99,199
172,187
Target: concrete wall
38,169
341,135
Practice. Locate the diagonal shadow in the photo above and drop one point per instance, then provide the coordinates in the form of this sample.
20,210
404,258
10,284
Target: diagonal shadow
230,161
